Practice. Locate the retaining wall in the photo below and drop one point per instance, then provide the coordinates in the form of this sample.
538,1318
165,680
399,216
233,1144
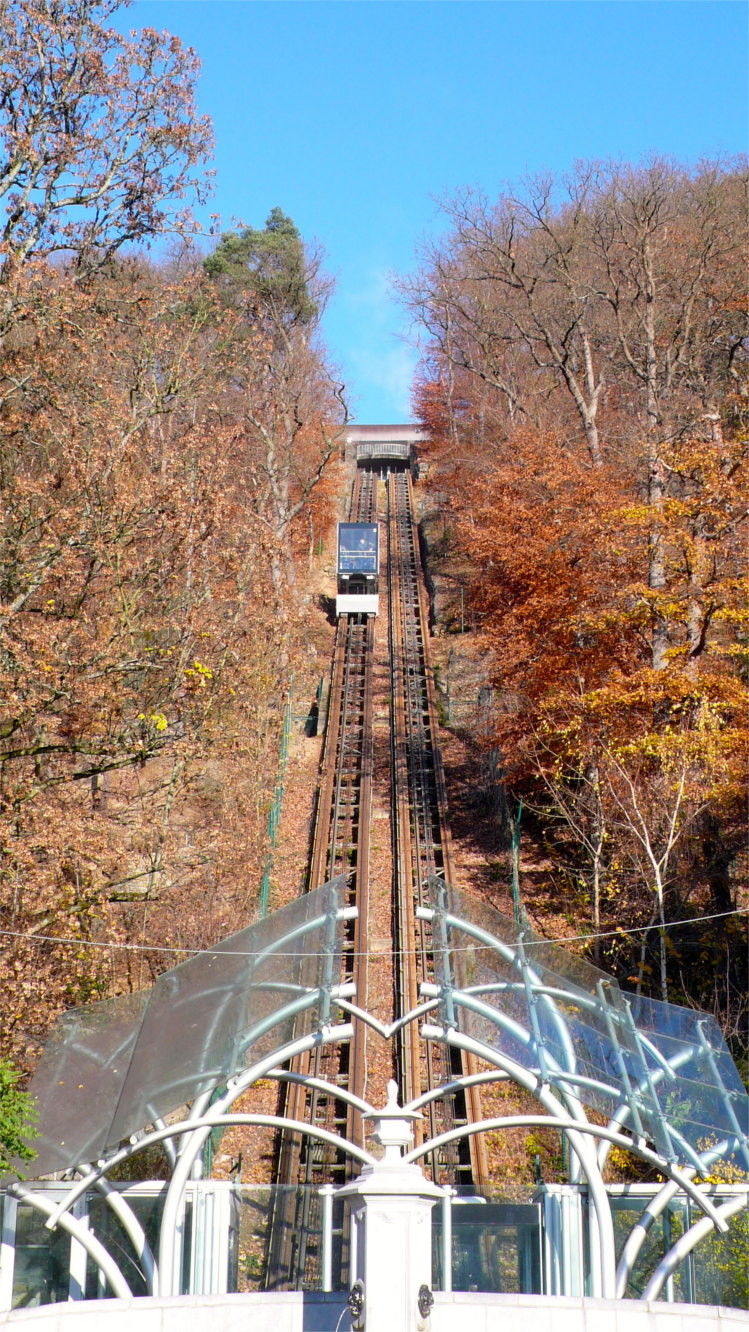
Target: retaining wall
296,1312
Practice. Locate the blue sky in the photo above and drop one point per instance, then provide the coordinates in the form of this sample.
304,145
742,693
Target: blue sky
357,116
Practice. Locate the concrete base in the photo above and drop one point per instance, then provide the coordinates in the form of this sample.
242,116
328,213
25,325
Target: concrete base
265,1311
471,1312
296,1312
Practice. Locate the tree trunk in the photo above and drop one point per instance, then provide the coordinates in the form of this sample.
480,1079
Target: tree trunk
656,475
663,977
597,906
717,859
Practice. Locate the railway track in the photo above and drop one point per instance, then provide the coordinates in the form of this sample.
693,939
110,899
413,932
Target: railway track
421,843
421,847
340,846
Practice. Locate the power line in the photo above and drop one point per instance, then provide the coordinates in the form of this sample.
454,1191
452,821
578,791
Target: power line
394,952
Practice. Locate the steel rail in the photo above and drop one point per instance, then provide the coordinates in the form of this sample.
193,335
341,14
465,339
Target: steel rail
421,847
421,844
340,846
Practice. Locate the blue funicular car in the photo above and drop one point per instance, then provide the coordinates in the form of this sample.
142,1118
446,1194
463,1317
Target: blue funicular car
358,569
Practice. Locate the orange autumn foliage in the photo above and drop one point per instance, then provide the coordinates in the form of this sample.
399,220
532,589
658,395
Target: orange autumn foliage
144,640
585,390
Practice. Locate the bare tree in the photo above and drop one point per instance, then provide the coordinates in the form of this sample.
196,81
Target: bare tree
661,241
99,136
514,282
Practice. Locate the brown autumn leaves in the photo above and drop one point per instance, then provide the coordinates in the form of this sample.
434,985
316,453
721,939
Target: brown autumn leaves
586,389
151,534
167,453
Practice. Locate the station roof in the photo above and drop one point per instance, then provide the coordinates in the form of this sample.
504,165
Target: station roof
659,1070
407,432
112,1067
663,1070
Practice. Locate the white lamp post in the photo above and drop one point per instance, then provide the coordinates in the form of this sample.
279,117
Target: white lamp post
391,1231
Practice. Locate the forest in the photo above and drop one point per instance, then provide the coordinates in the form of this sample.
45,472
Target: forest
168,460
170,429
584,385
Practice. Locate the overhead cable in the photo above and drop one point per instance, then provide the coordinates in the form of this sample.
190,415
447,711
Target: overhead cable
388,952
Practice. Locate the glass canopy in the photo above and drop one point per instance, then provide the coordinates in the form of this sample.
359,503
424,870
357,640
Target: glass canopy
111,1068
662,1072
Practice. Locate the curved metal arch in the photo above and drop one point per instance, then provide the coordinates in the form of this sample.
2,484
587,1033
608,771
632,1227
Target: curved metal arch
185,1127
94,1247
669,1069
553,1079
714,1218
125,1215
469,997
208,1121
112,1057
169,1148
713,1214
585,1153
564,1079
190,1134
650,1214
510,955
548,1071
387,1029
320,1084
632,1049
520,1033
200,1132
554,992
591,1004
458,1084
294,1126
133,1229
569,1127
688,1241
640,1064
699,1159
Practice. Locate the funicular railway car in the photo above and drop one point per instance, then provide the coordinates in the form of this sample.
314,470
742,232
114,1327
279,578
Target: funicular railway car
358,569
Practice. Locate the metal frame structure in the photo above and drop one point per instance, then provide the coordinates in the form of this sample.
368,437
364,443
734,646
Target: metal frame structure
543,1055
539,1048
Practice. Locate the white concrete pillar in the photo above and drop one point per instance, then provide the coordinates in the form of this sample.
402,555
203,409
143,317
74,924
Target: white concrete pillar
563,1240
391,1206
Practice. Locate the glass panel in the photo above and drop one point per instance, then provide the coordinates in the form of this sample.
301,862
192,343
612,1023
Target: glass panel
110,1068
342,1273
716,1271
280,1232
107,1228
214,1014
707,1099
664,1232
357,548
665,1071
383,450
80,1077
42,1261
721,1266
252,1238
496,1246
